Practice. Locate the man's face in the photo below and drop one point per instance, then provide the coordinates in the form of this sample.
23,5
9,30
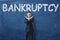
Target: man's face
29,14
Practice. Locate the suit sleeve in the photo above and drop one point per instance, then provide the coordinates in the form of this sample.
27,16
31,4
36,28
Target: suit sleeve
26,20
32,20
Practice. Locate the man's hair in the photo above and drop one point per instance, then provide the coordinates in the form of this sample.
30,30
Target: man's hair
28,12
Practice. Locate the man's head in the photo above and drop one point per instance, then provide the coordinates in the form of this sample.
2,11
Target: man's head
29,14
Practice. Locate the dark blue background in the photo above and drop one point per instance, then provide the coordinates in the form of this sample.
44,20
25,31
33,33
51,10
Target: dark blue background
47,24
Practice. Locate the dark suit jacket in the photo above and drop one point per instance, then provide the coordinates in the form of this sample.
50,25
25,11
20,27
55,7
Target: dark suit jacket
29,25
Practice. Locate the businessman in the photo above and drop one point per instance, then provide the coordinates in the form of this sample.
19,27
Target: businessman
29,20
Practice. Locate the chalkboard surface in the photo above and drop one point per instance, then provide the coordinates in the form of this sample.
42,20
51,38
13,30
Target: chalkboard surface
46,24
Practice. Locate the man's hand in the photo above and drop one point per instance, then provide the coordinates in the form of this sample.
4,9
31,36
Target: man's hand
29,18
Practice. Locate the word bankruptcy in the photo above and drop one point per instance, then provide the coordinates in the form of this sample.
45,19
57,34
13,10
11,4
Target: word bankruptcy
29,7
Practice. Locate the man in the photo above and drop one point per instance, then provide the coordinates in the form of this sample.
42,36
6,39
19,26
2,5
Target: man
29,20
